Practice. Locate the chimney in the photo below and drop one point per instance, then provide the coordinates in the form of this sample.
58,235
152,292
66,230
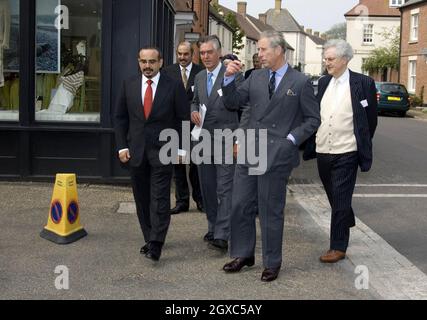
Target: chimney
278,5
317,34
309,31
263,18
241,8
323,36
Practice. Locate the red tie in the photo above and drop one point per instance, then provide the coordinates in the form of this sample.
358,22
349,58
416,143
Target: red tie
148,99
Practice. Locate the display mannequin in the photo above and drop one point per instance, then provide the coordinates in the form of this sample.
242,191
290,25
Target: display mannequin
4,33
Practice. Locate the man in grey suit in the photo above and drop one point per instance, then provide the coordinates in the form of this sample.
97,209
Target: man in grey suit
282,102
216,177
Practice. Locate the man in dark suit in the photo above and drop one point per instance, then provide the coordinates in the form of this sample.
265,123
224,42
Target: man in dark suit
283,113
348,107
216,177
257,65
147,105
185,70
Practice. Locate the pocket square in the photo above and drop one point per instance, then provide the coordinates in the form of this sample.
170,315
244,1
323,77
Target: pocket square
291,93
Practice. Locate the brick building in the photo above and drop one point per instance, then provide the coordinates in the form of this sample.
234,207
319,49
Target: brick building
413,47
366,23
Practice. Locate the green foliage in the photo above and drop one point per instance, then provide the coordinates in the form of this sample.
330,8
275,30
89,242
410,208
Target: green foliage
384,58
238,33
416,101
337,31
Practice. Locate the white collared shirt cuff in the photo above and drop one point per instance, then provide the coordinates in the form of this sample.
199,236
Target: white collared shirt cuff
292,138
121,150
228,80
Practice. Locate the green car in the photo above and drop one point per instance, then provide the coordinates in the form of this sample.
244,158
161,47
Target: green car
392,97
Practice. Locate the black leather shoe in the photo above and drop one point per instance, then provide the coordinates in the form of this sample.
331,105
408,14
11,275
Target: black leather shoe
269,275
144,249
237,264
209,237
154,250
178,209
199,205
219,244
151,255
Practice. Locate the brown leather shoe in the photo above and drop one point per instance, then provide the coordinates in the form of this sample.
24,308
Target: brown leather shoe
332,256
237,264
269,275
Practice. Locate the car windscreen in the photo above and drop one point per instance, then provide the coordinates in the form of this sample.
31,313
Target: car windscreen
393,89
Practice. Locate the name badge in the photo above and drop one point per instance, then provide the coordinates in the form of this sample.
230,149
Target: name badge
220,92
364,103
192,88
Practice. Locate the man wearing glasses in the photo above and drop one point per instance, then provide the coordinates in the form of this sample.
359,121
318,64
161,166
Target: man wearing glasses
147,105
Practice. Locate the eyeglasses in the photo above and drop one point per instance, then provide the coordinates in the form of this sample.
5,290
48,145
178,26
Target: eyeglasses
143,61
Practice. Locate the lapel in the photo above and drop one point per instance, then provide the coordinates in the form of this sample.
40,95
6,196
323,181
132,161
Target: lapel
203,87
217,86
287,82
355,89
162,89
136,88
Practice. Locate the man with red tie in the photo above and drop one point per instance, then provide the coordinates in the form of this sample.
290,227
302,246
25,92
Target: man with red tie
147,105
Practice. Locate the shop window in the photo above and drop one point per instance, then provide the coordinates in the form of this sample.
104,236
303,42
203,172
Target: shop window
9,60
68,60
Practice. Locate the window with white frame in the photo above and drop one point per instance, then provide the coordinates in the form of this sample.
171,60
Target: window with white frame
412,81
414,26
368,33
396,3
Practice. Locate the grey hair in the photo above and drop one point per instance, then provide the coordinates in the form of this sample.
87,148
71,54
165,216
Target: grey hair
276,39
342,47
214,39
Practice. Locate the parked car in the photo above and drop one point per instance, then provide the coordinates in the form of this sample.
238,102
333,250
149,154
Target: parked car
392,97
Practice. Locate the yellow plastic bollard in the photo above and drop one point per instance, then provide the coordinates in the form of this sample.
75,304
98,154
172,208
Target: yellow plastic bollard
63,224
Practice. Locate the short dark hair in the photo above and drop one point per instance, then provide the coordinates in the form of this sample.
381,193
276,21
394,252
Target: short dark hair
152,48
213,38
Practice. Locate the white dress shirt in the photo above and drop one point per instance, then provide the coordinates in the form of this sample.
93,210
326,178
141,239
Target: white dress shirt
187,70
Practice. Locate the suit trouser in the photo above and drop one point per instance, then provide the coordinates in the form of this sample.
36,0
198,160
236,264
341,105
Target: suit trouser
270,192
216,184
182,193
338,174
151,189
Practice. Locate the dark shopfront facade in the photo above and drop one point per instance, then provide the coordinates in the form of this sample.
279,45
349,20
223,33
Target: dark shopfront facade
46,129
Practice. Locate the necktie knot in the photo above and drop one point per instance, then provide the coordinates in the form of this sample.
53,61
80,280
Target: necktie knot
149,82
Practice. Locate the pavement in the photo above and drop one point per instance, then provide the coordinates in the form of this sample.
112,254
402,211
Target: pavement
107,264
417,113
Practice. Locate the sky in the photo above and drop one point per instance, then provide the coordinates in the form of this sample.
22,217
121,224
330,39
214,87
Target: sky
319,15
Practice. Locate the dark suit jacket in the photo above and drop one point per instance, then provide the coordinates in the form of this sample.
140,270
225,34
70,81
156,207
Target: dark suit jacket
133,131
365,118
174,71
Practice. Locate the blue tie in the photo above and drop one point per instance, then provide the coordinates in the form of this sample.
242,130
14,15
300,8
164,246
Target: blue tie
210,83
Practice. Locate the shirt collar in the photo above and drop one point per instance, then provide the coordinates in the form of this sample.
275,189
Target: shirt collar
344,77
188,68
282,71
216,71
155,79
